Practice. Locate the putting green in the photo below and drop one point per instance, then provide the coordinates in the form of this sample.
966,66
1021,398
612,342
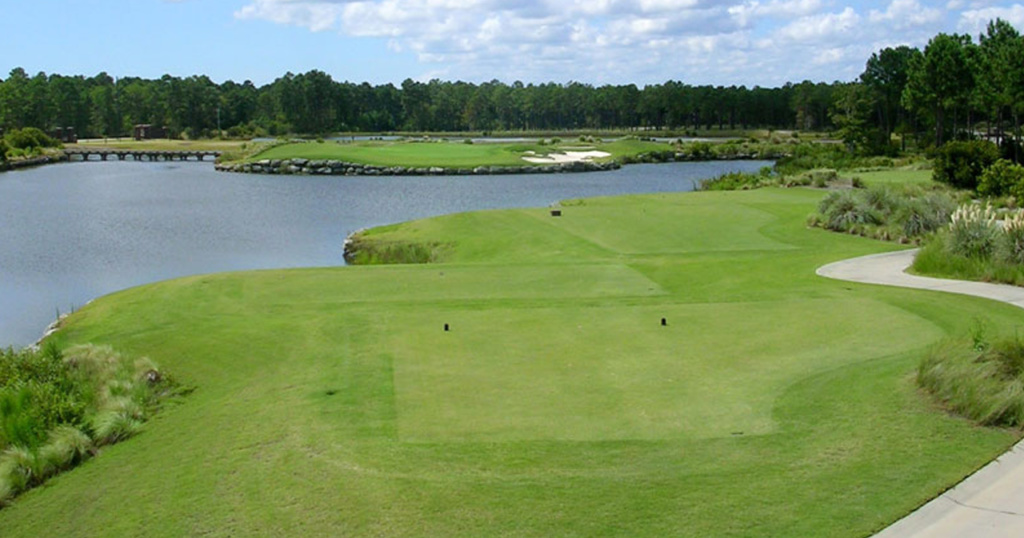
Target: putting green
332,401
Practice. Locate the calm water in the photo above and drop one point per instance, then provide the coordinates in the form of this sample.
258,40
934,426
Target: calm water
76,231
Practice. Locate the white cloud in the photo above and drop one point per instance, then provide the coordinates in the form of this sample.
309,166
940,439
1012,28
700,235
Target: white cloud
753,10
974,21
317,16
749,42
656,6
906,13
828,56
818,27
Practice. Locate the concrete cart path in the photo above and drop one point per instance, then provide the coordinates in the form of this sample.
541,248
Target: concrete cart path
989,503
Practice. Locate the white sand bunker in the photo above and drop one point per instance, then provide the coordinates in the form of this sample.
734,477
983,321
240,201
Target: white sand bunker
566,157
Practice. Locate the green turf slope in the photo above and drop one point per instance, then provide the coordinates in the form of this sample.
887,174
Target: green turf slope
332,401
411,153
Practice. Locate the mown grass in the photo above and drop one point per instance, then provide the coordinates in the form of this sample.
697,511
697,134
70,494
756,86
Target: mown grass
445,154
892,177
332,401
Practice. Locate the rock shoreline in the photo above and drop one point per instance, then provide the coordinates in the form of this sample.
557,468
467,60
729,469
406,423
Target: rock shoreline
342,168
34,161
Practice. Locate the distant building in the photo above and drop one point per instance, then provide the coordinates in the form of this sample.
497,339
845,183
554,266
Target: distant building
148,132
66,135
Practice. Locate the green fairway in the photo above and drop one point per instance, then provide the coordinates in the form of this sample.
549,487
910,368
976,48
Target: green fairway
445,154
333,401
895,176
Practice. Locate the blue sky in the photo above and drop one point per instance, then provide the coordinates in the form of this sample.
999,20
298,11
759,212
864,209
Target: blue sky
749,42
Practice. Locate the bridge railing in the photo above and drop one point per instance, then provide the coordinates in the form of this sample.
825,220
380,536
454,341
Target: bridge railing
85,154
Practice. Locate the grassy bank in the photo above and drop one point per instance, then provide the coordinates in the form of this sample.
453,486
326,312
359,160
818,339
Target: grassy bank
771,402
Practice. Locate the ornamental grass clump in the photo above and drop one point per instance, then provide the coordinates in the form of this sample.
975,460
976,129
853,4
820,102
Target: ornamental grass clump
977,246
1011,248
368,250
844,210
903,215
924,215
973,231
986,385
57,408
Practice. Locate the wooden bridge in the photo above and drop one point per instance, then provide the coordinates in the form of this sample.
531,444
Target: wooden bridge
86,154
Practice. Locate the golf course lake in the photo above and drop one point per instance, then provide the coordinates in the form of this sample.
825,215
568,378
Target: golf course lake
72,232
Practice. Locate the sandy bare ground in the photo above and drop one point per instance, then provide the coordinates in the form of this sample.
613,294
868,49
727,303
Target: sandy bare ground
566,157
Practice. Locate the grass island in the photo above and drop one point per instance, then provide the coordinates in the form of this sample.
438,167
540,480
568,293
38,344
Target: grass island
427,155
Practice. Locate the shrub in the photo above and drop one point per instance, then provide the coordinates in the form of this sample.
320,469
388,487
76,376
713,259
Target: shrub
700,151
925,215
882,199
55,408
19,468
808,156
1001,178
819,178
884,213
1010,150
29,138
38,391
246,130
960,164
973,231
361,250
4,148
20,424
22,467
1011,244
986,385
738,180
68,446
114,426
843,210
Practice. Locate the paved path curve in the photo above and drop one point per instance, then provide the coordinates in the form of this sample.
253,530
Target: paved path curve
989,503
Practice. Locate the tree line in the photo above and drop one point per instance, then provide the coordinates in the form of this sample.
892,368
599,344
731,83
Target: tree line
942,92
314,103
954,89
